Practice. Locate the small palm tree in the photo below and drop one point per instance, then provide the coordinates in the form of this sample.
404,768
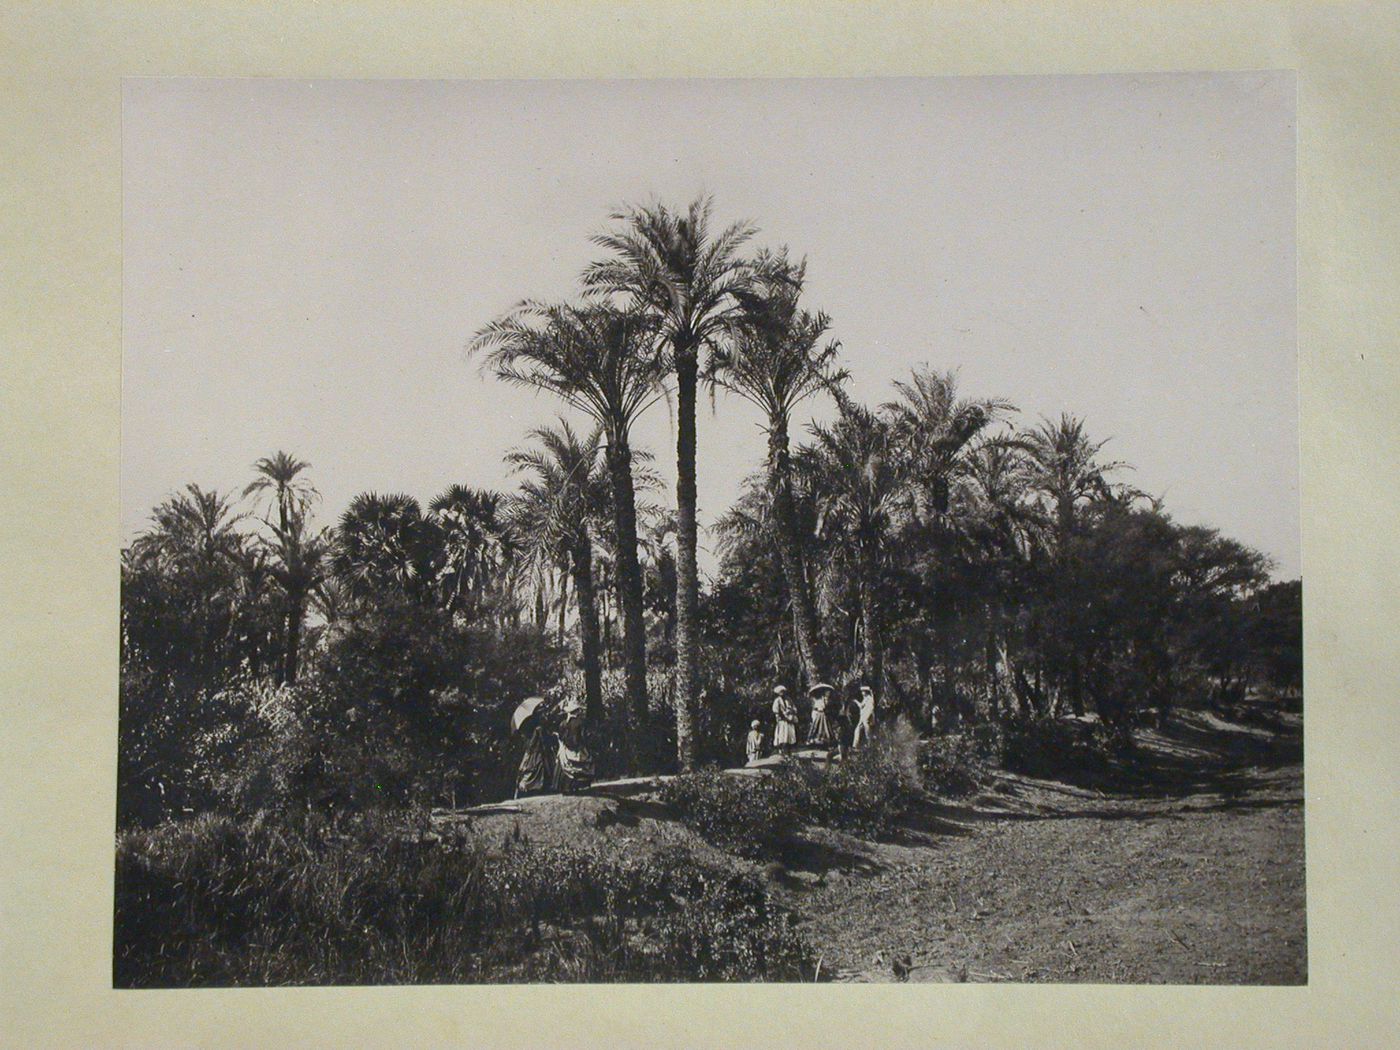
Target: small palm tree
775,359
1066,473
606,362
1066,469
279,481
669,264
194,542
939,431
474,551
299,562
381,548
192,529
551,517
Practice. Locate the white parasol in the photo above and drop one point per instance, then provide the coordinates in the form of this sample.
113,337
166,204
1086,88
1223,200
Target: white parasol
524,711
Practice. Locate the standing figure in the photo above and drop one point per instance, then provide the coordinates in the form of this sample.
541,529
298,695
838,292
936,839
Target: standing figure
785,711
534,775
575,760
865,721
753,743
844,717
821,733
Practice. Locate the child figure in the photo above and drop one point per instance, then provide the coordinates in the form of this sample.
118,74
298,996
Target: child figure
753,744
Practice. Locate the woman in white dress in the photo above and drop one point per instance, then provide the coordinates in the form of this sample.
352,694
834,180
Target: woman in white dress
821,733
785,713
865,722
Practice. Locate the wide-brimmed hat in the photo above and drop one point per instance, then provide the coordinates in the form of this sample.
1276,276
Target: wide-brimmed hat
780,689
756,724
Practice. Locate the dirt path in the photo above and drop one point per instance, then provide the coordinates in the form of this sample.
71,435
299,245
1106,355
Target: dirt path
1040,882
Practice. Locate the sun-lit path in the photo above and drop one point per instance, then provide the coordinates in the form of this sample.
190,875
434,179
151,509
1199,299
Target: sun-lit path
1202,889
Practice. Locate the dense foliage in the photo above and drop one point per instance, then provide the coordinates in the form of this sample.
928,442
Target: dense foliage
270,901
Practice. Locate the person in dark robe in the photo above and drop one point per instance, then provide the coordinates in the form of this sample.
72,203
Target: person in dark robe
753,744
534,775
844,721
575,763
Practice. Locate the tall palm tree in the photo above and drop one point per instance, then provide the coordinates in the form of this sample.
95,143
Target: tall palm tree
775,359
552,515
669,264
604,361
279,481
857,470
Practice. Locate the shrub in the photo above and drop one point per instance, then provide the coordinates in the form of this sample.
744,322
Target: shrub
753,817
1050,748
952,765
873,788
758,816
214,901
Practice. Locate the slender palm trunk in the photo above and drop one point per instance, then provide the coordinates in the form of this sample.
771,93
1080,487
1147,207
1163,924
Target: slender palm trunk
687,571
296,604
588,629
628,576
873,656
790,549
564,595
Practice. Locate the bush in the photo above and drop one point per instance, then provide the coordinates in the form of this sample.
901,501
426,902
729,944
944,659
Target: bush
952,765
873,788
752,817
758,816
218,902
1051,748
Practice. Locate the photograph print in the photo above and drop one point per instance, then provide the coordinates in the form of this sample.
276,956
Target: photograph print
710,530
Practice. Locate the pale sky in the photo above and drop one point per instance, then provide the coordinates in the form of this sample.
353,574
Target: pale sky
305,261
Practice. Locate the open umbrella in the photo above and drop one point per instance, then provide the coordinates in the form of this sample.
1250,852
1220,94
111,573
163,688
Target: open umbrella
524,711
821,687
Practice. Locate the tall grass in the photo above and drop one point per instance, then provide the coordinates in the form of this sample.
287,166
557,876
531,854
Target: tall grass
219,902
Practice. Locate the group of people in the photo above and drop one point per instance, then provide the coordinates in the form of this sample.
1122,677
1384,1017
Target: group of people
556,758
838,723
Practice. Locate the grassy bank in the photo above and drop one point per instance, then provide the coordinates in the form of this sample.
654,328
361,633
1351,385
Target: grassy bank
218,902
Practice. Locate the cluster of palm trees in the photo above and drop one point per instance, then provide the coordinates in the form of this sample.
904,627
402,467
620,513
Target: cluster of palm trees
675,303
875,523
216,587
887,505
